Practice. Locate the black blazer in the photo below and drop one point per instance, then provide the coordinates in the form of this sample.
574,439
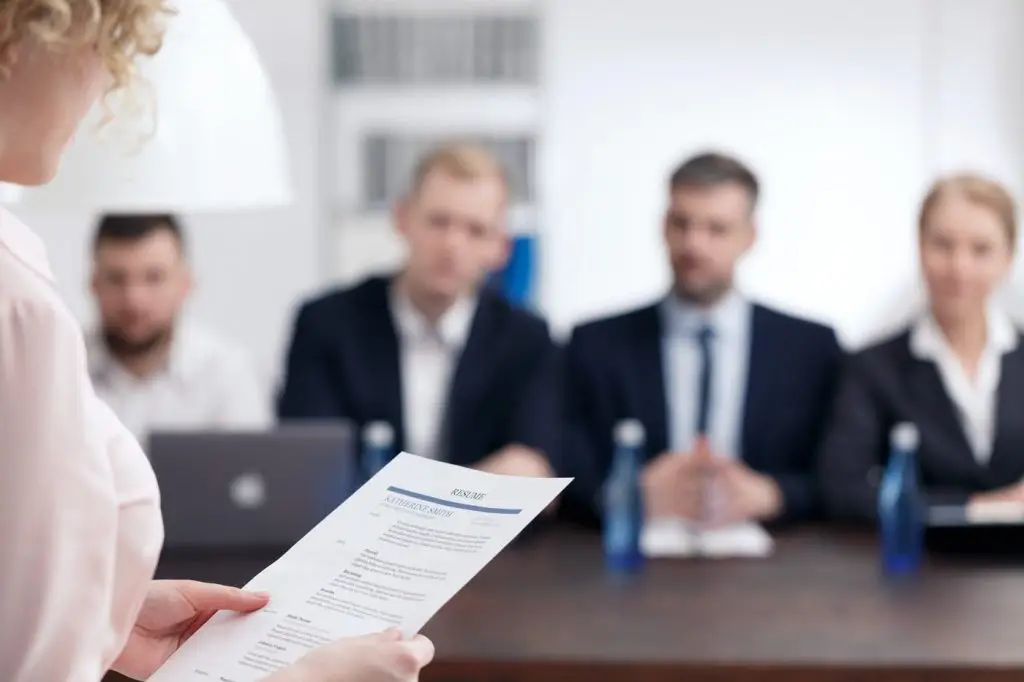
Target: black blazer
885,385
343,362
614,371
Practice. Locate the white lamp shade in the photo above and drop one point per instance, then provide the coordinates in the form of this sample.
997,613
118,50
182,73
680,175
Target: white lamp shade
214,143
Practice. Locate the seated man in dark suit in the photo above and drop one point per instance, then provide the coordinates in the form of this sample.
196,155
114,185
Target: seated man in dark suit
732,395
456,371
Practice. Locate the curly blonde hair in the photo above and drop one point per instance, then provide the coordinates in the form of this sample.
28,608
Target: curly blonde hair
121,30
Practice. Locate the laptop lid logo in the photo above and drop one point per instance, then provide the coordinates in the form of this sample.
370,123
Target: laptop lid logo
248,491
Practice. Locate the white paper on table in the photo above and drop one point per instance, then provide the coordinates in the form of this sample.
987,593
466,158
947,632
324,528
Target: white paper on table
672,537
1008,512
390,556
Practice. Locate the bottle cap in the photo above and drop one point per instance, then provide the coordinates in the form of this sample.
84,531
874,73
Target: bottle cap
629,433
378,435
905,437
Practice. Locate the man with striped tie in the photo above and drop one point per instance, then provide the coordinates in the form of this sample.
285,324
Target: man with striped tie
731,393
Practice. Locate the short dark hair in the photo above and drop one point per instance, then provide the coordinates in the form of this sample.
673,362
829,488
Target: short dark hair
131,227
713,168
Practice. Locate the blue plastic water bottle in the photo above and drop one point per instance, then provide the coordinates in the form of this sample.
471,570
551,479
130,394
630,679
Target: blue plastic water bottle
623,501
378,446
900,512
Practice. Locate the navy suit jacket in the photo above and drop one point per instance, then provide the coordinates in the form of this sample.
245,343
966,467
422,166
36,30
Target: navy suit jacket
343,362
886,384
614,371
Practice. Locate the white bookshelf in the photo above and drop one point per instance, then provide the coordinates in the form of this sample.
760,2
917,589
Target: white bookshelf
376,91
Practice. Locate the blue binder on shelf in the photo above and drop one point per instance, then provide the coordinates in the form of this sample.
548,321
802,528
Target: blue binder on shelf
517,279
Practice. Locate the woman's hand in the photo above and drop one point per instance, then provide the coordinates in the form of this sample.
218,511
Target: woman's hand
382,657
172,612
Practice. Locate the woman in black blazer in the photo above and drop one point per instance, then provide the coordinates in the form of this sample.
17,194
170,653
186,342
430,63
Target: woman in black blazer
957,372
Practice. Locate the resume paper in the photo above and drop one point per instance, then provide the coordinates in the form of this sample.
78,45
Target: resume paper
390,556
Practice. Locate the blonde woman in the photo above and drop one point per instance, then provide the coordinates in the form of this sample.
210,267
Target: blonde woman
957,372
80,527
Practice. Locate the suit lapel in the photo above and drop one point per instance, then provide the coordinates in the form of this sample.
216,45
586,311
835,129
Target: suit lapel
649,388
472,371
758,387
1006,463
382,362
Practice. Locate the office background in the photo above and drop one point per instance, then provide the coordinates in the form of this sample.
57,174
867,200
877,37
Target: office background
846,109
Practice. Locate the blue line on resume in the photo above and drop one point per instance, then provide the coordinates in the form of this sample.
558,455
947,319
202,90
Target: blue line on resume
450,503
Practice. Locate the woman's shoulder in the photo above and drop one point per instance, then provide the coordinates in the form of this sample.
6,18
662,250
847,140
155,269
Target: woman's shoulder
31,311
27,293
892,342
884,353
22,287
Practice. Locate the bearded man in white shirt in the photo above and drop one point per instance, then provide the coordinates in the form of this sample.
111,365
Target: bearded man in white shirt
154,370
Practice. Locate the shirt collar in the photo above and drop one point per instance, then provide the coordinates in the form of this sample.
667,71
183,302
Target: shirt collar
452,328
928,342
726,317
24,244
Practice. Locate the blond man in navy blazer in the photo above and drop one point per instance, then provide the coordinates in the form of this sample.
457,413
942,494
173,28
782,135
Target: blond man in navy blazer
458,372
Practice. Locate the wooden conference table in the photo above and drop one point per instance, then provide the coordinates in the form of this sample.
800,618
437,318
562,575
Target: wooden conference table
819,609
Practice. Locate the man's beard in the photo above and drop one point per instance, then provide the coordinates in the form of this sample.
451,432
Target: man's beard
124,348
703,296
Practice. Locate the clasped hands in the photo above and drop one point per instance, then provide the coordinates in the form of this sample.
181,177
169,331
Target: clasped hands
175,609
707,489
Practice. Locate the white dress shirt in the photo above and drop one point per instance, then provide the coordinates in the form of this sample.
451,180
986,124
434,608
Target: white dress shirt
976,401
429,355
80,525
730,321
208,383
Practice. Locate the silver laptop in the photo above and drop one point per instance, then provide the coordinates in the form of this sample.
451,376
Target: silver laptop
255,490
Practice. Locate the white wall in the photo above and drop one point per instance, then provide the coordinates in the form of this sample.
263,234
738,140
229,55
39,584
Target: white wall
846,110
